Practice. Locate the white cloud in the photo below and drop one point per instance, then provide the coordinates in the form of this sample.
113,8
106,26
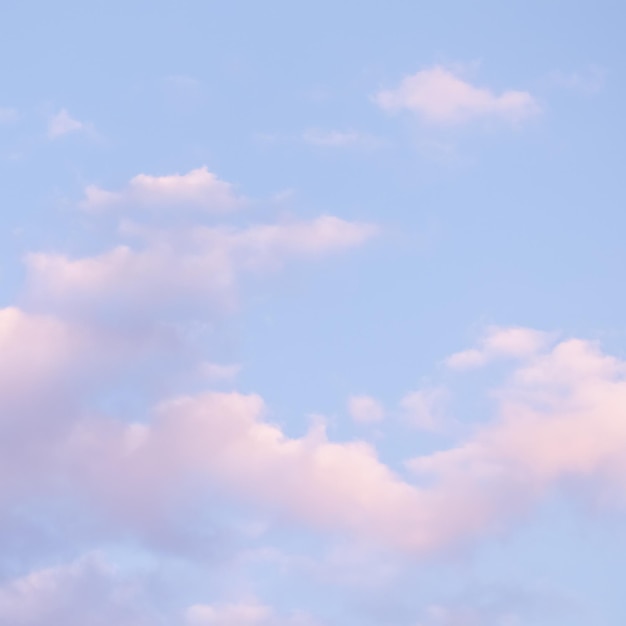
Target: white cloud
62,124
439,96
198,189
500,343
365,409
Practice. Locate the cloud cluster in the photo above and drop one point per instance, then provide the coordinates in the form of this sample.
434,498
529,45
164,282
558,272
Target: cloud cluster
242,614
559,419
86,592
176,267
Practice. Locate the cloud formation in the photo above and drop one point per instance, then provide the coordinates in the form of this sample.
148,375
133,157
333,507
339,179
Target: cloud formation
335,138
500,343
63,124
198,190
559,417
365,409
177,267
86,592
440,97
243,614
423,409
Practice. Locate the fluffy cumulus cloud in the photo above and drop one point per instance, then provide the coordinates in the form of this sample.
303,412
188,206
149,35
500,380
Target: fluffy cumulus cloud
198,189
557,420
439,96
500,343
173,267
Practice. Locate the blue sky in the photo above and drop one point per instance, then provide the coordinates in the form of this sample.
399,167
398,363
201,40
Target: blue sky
311,313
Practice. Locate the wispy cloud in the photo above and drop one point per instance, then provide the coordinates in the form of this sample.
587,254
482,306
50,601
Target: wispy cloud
242,614
588,80
198,189
439,96
8,115
336,138
64,124
424,409
365,409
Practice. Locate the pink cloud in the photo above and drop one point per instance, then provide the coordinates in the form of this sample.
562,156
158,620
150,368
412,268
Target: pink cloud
86,591
559,417
198,189
440,97
179,266
500,343
423,409
63,124
365,409
243,614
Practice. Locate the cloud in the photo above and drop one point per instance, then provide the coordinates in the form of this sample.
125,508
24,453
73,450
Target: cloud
198,189
440,97
500,343
243,614
8,115
178,267
216,372
63,124
559,418
335,138
48,368
365,409
229,615
558,421
90,592
423,409
588,80
86,592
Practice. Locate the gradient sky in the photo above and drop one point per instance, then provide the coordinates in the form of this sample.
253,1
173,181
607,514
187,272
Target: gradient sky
312,313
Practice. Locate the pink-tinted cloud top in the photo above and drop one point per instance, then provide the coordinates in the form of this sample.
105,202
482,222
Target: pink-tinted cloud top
198,189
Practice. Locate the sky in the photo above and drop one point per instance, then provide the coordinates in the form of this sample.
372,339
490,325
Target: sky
311,313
